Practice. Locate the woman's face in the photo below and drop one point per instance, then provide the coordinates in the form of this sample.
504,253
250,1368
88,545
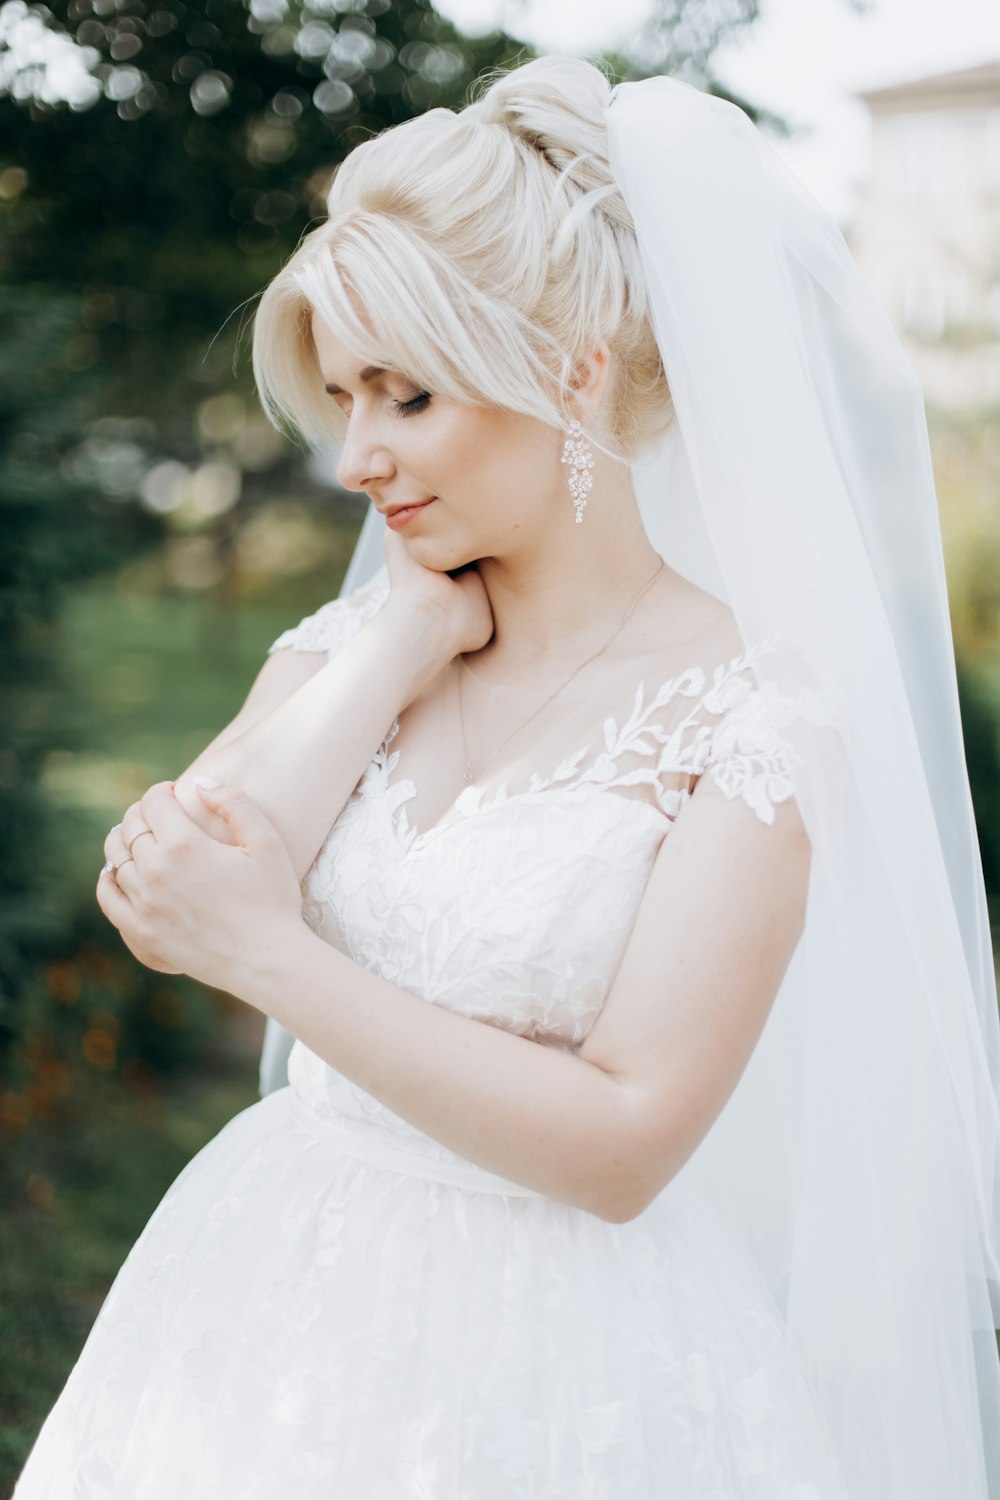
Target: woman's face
493,476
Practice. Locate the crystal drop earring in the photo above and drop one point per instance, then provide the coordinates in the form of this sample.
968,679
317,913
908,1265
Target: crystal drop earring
578,453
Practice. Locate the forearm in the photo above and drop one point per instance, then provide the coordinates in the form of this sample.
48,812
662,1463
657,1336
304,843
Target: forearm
301,761
534,1114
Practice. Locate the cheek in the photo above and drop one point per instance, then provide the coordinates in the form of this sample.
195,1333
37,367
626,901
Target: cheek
458,450
494,470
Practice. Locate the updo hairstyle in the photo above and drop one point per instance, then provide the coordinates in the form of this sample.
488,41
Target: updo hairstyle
483,254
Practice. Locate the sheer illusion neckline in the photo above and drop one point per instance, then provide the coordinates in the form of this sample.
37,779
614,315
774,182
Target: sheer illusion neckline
478,798
592,763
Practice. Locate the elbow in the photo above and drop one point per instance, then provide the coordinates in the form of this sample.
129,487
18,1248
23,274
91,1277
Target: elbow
622,1207
622,1213
626,1189
651,1153
629,1202
625,1157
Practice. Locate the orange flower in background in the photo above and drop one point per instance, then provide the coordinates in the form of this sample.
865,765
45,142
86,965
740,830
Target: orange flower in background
99,1048
63,980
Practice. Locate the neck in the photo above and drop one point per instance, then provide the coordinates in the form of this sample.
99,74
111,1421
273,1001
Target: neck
565,592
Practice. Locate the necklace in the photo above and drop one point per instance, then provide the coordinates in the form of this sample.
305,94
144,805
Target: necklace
565,683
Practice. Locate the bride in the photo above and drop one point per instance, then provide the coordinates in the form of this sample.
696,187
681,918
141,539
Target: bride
605,848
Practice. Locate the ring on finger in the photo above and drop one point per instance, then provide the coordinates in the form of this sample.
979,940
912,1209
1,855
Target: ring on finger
137,836
111,867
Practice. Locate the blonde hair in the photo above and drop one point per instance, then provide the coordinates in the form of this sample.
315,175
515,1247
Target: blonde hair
482,253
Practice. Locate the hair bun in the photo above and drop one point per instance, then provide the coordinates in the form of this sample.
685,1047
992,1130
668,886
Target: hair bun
556,106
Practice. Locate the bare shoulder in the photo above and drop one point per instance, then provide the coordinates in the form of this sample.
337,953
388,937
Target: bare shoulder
690,627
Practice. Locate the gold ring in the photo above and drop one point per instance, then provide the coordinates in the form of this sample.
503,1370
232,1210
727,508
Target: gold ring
136,836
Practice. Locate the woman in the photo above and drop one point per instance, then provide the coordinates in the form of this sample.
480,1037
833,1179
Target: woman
611,1163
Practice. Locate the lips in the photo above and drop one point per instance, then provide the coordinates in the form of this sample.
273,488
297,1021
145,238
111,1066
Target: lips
391,510
401,516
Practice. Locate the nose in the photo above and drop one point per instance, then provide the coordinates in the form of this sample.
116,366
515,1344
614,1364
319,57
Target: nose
363,461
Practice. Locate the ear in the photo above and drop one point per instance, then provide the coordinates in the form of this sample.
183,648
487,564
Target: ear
590,382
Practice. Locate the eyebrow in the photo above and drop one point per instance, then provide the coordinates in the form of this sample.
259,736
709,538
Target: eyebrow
368,373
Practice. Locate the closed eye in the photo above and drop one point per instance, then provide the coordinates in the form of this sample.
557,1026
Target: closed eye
408,408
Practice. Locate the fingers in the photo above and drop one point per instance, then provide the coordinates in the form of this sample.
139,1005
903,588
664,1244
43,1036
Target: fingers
121,843
121,840
247,823
118,909
118,862
119,881
112,900
132,827
186,793
155,820
163,813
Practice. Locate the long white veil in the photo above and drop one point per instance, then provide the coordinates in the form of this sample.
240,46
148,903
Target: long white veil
858,1156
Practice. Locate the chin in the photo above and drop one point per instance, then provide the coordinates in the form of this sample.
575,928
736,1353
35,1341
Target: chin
439,556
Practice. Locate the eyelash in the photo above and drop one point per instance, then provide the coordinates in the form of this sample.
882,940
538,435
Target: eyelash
410,408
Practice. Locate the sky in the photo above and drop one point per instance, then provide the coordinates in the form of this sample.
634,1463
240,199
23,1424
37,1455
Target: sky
803,59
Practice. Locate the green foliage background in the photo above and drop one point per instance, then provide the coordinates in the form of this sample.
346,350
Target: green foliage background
157,535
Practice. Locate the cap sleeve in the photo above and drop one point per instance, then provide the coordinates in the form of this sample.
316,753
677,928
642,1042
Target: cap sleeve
750,748
333,624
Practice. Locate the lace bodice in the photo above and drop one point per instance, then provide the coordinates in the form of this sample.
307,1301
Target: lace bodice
516,909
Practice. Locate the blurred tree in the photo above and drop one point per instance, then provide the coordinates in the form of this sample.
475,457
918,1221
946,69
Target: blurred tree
56,529
157,163
195,152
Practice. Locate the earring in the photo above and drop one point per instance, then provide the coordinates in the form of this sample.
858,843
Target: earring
578,452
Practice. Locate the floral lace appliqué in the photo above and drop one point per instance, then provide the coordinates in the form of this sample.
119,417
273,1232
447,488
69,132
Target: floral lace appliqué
745,751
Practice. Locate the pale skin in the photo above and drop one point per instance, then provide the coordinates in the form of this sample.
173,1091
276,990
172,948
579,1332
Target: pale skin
213,888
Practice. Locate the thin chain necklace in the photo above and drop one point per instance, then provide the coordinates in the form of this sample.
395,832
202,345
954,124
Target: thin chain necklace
461,710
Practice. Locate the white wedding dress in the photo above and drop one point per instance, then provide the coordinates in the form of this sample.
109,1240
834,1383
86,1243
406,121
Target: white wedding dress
328,1305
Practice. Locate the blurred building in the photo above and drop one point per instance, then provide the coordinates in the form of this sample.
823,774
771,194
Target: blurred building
927,230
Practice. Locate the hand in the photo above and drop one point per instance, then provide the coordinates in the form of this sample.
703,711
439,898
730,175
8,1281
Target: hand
461,601
133,826
195,905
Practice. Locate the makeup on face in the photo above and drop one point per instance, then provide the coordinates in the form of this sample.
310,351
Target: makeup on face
402,517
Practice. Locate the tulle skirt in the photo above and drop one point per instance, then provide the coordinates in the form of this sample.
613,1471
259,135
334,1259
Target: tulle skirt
308,1317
